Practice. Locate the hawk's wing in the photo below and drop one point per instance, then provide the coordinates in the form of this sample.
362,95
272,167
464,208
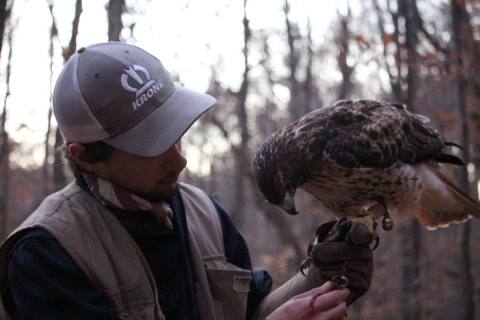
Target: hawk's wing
372,134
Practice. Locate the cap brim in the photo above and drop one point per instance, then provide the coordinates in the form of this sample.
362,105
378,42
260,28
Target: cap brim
163,127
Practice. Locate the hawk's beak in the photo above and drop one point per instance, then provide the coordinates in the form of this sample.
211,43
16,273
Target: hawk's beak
288,203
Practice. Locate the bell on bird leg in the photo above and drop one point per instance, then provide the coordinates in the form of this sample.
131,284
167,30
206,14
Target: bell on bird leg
387,223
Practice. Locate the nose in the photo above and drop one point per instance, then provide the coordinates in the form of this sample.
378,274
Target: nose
175,161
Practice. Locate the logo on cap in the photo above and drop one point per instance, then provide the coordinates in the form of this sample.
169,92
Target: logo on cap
143,87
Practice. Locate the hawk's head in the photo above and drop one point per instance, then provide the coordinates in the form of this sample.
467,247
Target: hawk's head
273,179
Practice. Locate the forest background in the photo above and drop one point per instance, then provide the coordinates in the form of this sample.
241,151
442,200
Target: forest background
268,63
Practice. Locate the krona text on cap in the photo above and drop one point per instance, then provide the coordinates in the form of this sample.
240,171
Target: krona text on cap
122,95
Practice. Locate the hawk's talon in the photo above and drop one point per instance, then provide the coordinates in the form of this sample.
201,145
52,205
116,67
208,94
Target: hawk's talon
304,265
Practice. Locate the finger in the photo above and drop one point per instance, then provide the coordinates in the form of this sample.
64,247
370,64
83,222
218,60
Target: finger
329,300
336,313
326,287
296,308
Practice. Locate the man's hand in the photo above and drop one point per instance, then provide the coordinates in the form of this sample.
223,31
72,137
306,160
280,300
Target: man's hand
342,250
319,303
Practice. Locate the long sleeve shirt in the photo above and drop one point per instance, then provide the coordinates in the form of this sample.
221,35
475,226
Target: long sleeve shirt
45,283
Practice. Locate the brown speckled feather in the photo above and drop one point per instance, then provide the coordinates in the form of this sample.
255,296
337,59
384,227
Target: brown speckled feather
356,154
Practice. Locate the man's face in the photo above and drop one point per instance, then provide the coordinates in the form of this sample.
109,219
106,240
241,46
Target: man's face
152,178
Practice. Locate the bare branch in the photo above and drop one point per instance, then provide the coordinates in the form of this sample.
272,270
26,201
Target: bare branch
431,39
72,45
226,134
394,81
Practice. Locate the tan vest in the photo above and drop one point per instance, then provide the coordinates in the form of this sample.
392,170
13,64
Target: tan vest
110,258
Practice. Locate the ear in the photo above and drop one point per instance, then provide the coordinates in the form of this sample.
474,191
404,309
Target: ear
77,150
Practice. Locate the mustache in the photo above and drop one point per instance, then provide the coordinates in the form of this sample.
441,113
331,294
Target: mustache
172,174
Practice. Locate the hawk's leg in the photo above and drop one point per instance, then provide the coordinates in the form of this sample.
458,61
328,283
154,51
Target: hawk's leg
387,222
368,219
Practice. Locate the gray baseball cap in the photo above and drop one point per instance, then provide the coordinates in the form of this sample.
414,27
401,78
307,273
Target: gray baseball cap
122,95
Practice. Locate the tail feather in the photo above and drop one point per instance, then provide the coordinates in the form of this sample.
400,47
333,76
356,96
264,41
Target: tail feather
441,202
453,144
449,158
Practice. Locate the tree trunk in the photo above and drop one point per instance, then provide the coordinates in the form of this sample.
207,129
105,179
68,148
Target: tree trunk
397,86
59,177
410,308
311,95
470,50
5,9
466,300
292,60
241,152
406,9
115,9
72,44
5,149
46,165
342,41
394,72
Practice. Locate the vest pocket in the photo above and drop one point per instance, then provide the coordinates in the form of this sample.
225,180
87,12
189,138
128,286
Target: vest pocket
230,286
135,302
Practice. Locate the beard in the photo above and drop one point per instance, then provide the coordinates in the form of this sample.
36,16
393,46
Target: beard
161,195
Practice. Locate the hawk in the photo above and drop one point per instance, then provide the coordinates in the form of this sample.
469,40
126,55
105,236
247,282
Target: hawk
362,155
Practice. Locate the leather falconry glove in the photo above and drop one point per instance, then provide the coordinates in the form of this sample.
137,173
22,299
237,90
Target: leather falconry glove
341,253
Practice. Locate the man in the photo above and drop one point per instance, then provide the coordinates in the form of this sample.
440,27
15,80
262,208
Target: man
126,240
